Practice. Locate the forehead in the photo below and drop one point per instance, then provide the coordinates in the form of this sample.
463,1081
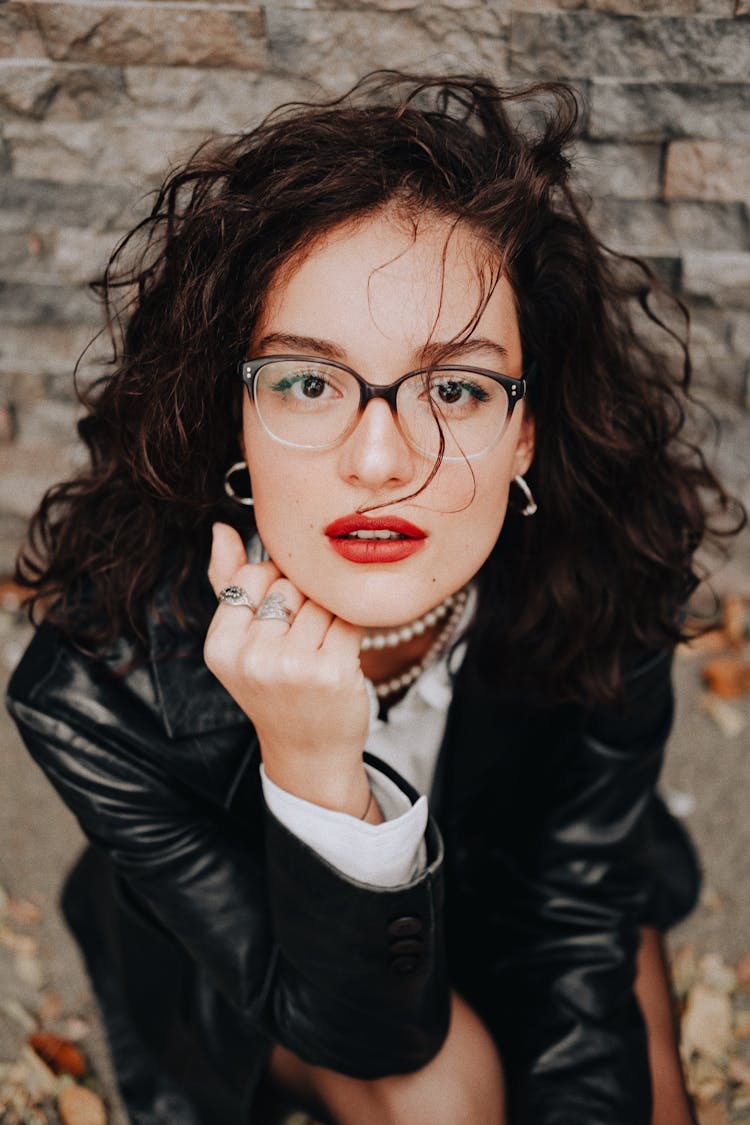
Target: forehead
390,276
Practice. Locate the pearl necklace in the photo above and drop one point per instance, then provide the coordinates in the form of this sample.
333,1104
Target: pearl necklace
394,637
452,607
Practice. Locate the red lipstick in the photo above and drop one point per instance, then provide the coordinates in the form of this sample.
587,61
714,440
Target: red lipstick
355,538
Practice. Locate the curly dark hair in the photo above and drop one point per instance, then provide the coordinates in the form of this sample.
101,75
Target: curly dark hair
625,498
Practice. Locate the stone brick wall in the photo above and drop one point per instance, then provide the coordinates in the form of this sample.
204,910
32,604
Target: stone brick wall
97,97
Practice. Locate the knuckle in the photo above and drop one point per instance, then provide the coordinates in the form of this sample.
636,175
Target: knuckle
290,668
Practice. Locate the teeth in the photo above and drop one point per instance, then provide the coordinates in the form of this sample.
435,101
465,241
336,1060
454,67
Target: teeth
362,534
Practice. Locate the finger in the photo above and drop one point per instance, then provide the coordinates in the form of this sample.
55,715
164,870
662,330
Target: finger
228,632
255,578
309,627
230,628
228,554
344,637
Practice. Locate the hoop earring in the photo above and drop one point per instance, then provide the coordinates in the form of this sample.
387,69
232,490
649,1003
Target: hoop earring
237,467
531,505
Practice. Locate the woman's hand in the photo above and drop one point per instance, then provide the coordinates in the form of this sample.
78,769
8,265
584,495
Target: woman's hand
300,684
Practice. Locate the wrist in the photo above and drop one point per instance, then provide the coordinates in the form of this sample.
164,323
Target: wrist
374,814
340,790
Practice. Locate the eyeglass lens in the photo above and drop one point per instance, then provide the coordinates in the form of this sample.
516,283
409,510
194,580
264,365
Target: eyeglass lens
314,405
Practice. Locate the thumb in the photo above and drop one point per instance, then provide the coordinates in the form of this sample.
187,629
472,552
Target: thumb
228,554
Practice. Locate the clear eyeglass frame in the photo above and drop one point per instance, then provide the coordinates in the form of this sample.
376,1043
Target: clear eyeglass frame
515,389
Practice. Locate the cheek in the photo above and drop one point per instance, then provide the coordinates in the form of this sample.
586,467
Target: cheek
286,498
487,519
475,490
265,462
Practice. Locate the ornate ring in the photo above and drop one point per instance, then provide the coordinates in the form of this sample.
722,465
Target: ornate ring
235,595
274,608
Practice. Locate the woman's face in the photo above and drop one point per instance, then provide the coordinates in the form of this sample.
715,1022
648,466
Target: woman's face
372,295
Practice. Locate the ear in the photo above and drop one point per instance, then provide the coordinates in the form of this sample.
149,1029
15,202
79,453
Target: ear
525,446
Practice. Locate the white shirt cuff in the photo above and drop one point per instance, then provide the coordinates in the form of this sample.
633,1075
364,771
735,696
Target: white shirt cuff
382,855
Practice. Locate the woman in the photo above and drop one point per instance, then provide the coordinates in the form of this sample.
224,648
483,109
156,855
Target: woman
378,830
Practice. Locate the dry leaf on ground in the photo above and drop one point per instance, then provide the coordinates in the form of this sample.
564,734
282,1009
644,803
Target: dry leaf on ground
735,618
711,899
23,912
62,1057
684,970
25,944
727,718
30,970
80,1106
41,1081
11,595
716,974
712,1113
707,1023
739,1070
707,644
728,677
50,1007
705,1079
75,1029
679,802
18,1014
741,1100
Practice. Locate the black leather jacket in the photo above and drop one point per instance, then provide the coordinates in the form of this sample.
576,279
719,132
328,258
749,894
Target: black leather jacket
546,850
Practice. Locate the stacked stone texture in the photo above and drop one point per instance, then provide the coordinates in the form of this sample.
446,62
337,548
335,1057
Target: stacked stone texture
97,98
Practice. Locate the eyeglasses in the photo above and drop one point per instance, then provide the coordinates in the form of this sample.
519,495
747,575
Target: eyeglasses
310,403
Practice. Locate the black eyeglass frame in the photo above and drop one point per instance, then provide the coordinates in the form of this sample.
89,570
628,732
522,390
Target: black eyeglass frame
515,389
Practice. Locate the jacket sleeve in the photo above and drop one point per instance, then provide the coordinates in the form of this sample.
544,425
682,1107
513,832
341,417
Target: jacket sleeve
574,887
346,976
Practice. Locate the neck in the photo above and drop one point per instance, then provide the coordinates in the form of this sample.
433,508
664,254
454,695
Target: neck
397,652
384,663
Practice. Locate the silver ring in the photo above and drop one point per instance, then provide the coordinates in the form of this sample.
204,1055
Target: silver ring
274,608
235,595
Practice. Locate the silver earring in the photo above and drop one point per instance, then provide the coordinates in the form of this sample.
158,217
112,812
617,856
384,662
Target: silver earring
237,467
531,506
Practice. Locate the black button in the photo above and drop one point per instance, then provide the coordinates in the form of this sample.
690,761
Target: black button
404,965
412,947
407,926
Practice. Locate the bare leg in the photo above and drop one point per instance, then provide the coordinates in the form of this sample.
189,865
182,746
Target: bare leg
463,1084
671,1101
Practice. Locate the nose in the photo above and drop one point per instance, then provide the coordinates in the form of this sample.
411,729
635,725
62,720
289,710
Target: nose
375,454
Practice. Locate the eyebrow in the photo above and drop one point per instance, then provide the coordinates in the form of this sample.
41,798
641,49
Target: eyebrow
432,352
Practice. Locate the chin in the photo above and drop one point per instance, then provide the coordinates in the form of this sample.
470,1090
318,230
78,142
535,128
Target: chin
383,609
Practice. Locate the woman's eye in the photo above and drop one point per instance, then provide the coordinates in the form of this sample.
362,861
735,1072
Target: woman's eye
302,384
457,392
312,386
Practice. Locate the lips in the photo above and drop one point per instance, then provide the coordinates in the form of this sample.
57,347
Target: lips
381,539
